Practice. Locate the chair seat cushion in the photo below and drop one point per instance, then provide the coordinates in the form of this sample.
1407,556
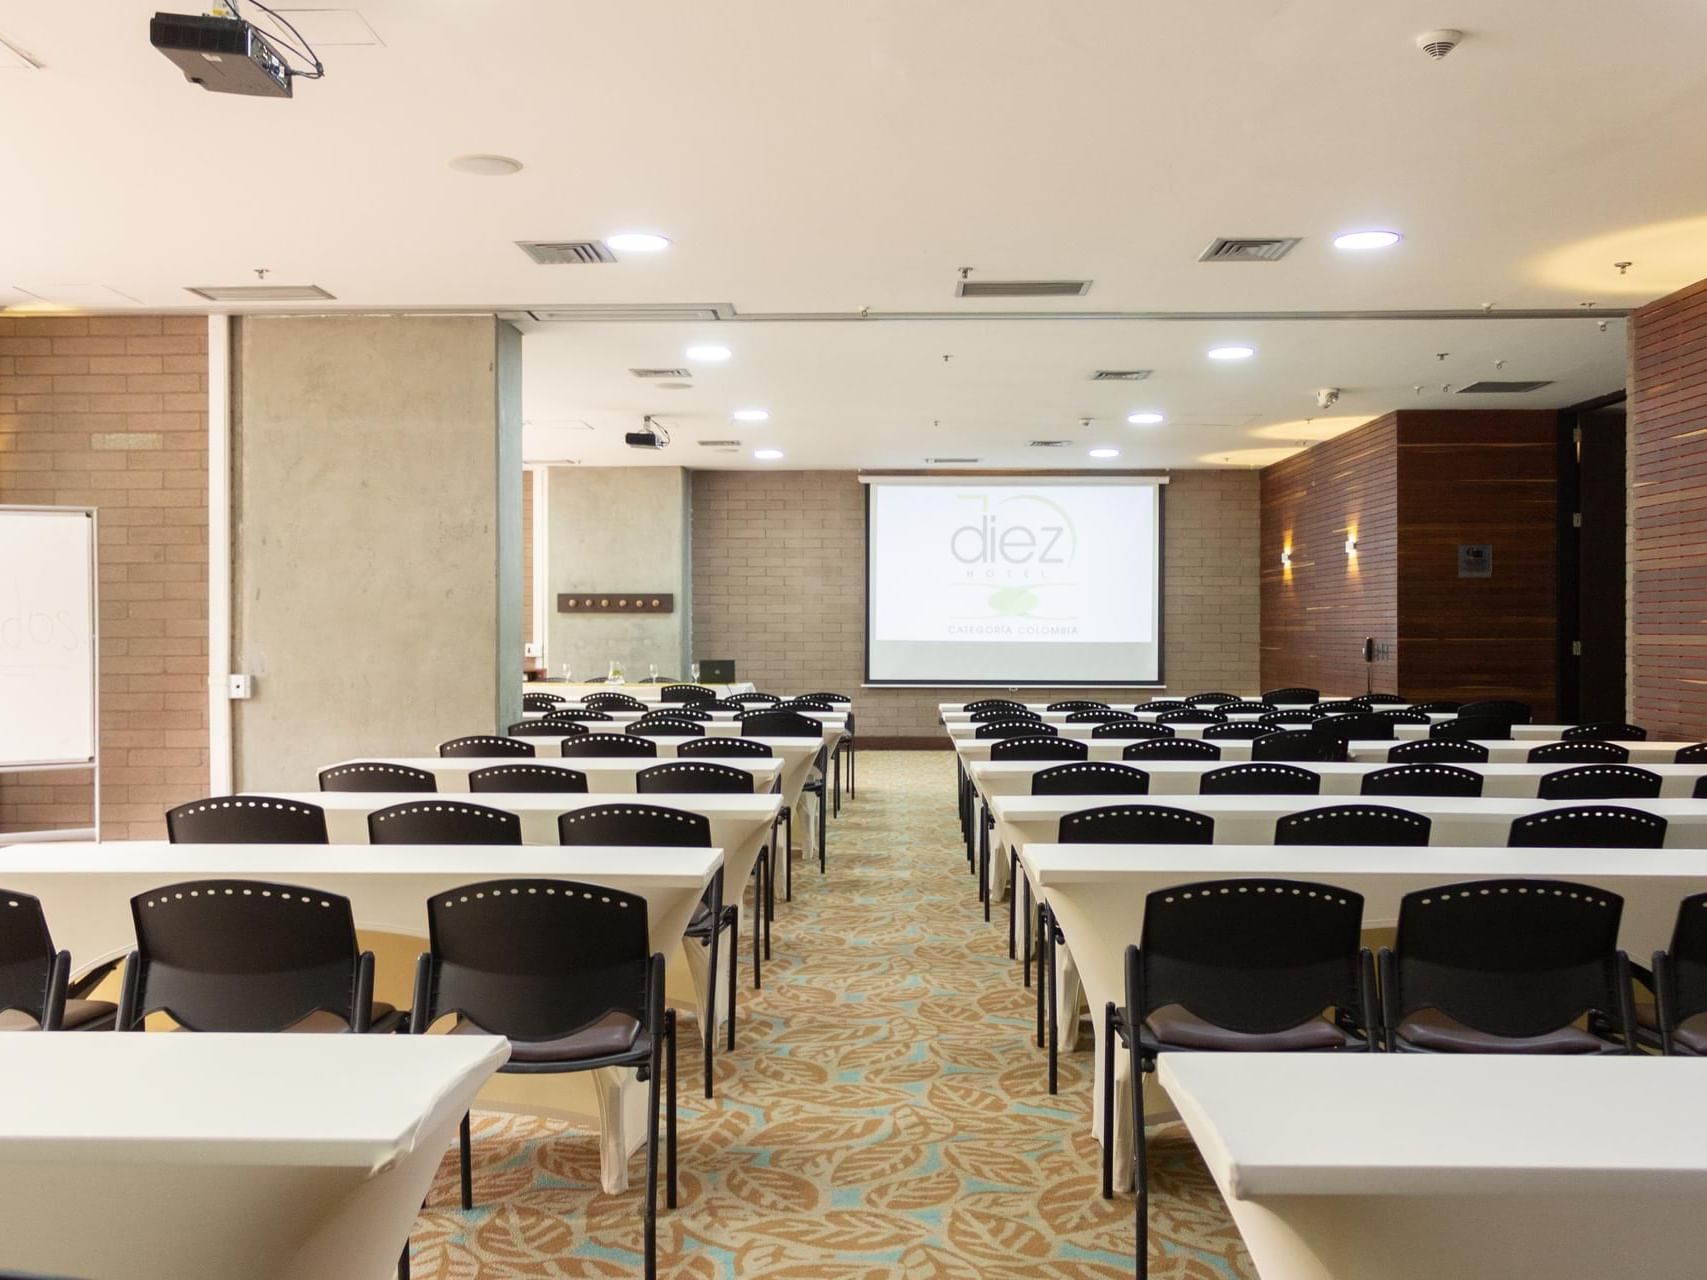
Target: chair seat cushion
1177,1027
1435,1032
78,1013
1690,1034
612,1034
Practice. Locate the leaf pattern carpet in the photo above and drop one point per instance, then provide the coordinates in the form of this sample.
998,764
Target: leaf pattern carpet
884,1114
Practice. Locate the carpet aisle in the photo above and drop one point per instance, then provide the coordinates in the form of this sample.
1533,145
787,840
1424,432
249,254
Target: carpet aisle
884,1115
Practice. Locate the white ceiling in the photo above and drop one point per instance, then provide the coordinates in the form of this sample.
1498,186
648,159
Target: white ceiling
813,158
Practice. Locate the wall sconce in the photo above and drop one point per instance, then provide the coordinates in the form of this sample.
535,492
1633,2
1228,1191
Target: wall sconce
1351,545
1286,558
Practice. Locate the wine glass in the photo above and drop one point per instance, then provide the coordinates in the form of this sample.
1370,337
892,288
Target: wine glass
652,672
693,672
567,677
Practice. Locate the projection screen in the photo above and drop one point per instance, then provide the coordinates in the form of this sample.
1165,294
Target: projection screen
1014,581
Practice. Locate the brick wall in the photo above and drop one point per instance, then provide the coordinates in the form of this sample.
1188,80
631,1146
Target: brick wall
112,413
779,586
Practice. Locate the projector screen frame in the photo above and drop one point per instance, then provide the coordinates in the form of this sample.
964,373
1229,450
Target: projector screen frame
1158,479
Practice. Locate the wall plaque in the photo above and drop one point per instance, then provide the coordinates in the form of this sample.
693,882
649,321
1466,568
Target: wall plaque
1475,560
609,602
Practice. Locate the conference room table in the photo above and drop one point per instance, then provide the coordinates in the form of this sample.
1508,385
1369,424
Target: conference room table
1470,1166
604,774
1097,892
1531,734
1234,750
576,690
721,722
164,1157
86,887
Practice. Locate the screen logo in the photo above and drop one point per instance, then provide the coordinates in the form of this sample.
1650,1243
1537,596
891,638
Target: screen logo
1017,543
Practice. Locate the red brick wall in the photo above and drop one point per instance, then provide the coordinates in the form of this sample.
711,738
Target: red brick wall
111,412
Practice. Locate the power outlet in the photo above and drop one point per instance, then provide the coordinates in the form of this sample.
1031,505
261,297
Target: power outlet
240,688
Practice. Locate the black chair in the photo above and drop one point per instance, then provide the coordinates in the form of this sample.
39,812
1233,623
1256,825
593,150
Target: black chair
1360,726
1210,699
1132,729
1694,754
689,693
1269,966
1243,708
1469,729
579,716
1293,694
987,714
246,820
1398,715
35,975
1438,707
566,972
442,822
666,727
1374,700
1172,749
1600,782
1040,747
378,775
1156,706
724,745
543,778
1680,984
986,704
791,724
1014,729
1422,780
482,744
754,699
673,712
1700,792
1104,715
693,776
249,956
1437,751
1339,707
1192,715
1260,778
1587,751
546,728
848,744
720,704
1090,778
1077,704
1507,709
1353,824
610,744
1289,719
612,701
1605,732
1589,826
1298,746
817,705
654,826
1506,966
1243,731
542,701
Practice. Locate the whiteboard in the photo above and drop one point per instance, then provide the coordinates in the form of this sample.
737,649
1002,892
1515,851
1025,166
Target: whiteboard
47,636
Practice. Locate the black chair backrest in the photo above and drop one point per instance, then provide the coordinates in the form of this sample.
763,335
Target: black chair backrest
1439,706
1363,726
244,955
1287,719
378,775
755,699
1600,782
1589,826
30,969
528,777
1077,704
1249,955
1243,708
1339,707
1244,731
483,744
1373,700
246,820
826,696
541,701
535,959
1104,715
1298,746
1507,709
721,704
1683,985
1210,699
1437,751
1696,753
442,822
1606,731
690,693
818,707
1293,694
546,728
1015,729
1402,715
1158,705
677,713
1422,780
666,727
613,701
987,715
990,704
609,744
1040,747
579,715
1090,778
1588,751
1472,728
1506,957
791,724
723,745
1192,715
1132,729
1172,749
1260,778
1353,824
635,824
1137,824
693,776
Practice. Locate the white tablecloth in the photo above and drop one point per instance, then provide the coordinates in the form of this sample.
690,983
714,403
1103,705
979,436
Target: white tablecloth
720,722
605,774
576,690
1419,1167
1097,894
1532,735
162,1157
86,888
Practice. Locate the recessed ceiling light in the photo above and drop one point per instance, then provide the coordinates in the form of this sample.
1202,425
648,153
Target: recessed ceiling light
638,242
487,166
1231,353
1367,240
752,415
1105,453
1144,419
767,455
710,354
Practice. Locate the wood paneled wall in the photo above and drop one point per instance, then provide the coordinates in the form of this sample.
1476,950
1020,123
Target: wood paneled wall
1668,515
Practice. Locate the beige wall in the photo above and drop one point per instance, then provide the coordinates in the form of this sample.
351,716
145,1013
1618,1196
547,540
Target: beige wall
779,585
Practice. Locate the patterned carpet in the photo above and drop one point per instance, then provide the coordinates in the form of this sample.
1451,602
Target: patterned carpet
885,1113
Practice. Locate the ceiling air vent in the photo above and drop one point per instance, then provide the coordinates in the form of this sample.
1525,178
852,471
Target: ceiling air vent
566,253
1501,388
1120,375
260,292
661,373
600,313
954,461
1248,249
720,444
1047,444
1022,288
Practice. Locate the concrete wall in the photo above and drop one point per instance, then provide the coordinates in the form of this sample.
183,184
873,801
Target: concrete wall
376,537
615,529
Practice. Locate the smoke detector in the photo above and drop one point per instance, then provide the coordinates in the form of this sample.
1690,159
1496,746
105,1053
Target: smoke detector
1437,44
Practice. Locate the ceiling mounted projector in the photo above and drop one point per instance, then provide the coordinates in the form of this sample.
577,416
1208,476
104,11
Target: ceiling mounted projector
222,55
650,436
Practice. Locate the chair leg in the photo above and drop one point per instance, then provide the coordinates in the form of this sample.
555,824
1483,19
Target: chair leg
1042,920
838,770
770,891
670,1115
760,924
1054,1000
1140,1167
467,1166
788,855
984,861
823,830
710,1028
403,1263
1108,1101
853,768
1026,913
650,1220
1013,900
735,950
